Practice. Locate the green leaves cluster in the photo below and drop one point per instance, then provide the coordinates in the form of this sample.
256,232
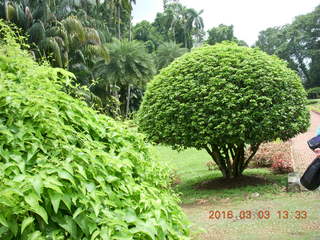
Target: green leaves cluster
68,172
222,98
298,44
223,33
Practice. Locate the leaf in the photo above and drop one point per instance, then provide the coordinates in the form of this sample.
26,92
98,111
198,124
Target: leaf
3,221
35,236
66,199
90,187
95,234
104,234
3,230
37,184
55,198
83,222
13,226
65,175
69,225
26,222
111,179
32,199
145,228
77,212
53,183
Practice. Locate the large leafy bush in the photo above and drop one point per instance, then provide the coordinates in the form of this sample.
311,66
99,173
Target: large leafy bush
223,98
69,173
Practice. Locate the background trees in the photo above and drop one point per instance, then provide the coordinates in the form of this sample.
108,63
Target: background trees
180,24
75,35
129,69
80,35
167,52
223,33
298,43
224,98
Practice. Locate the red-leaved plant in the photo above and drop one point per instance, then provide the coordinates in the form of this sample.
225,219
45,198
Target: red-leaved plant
281,163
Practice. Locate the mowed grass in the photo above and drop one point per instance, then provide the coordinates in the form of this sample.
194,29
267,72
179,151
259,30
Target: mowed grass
313,104
191,169
272,199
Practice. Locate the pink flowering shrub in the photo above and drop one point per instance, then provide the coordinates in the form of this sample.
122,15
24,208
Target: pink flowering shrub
281,163
274,155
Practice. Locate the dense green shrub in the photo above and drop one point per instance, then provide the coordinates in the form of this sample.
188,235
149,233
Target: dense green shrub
68,172
223,98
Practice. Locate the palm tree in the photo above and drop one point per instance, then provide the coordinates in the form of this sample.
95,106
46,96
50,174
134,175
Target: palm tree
193,25
167,52
119,6
130,67
85,49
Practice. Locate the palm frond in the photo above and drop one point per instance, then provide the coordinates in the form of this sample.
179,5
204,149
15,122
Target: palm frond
75,28
37,32
94,51
92,36
50,46
10,11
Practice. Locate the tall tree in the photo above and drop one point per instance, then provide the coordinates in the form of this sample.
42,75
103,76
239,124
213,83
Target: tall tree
146,32
130,67
167,52
179,24
298,43
223,33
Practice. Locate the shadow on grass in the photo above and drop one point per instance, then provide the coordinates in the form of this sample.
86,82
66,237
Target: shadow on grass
241,181
213,186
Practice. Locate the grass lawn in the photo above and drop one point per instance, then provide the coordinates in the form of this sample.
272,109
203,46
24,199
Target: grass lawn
271,198
314,104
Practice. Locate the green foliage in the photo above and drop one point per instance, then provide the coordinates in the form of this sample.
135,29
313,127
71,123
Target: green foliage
130,68
180,24
68,172
223,33
146,32
167,52
298,44
222,98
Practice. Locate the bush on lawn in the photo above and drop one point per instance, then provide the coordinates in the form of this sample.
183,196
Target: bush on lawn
269,152
281,163
222,98
68,172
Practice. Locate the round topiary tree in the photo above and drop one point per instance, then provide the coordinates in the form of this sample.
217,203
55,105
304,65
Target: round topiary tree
68,172
224,98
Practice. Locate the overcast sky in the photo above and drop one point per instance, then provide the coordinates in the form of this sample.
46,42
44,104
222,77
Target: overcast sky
248,17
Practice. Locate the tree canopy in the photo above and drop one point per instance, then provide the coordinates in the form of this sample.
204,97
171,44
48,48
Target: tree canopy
298,44
223,98
223,33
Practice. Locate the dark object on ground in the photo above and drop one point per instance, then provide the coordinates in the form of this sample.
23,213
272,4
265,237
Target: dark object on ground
314,142
311,177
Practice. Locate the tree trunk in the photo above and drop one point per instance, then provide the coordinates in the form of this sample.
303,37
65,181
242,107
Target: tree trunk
119,19
130,31
128,101
231,158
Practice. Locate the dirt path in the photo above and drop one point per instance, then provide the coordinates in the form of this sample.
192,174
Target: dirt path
302,155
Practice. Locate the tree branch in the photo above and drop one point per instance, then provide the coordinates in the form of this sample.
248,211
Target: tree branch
254,150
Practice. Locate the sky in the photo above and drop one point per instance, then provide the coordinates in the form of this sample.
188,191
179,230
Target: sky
248,17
